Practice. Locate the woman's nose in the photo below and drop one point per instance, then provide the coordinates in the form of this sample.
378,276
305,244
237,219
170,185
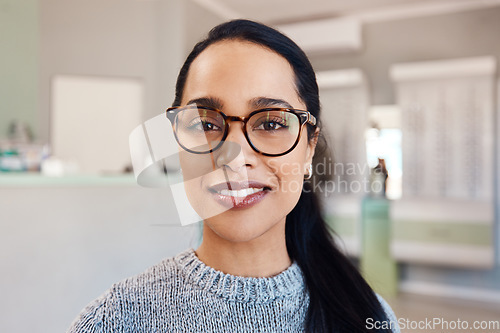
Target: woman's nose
235,151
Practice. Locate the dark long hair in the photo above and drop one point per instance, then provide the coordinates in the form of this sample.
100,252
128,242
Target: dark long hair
340,299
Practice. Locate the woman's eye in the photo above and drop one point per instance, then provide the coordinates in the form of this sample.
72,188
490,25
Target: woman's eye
271,125
205,126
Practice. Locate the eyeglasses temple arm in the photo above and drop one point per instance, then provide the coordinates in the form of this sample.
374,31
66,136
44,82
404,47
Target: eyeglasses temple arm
311,119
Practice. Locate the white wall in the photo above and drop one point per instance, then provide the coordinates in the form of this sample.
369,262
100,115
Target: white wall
116,38
18,62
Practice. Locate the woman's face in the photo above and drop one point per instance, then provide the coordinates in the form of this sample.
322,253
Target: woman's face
238,77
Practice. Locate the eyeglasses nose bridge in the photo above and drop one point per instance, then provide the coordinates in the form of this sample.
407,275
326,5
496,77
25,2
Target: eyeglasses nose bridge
229,119
234,118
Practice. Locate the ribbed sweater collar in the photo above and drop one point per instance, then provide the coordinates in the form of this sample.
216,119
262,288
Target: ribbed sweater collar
238,288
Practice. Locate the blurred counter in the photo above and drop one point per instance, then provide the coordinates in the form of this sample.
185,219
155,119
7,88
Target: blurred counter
64,240
27,179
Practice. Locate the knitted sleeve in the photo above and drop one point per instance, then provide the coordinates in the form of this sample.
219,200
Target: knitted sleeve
92,319
394,325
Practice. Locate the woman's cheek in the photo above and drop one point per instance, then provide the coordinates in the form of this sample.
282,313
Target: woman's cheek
291,175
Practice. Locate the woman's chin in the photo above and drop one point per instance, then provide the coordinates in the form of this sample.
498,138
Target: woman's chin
235,229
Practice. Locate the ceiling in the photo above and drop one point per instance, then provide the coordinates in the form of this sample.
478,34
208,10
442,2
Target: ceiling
289,11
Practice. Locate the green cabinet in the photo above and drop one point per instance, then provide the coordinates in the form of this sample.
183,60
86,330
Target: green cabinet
376,263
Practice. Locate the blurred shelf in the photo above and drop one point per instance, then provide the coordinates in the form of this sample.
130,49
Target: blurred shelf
24,180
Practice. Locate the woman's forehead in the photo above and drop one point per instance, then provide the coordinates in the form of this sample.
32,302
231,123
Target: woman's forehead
241,71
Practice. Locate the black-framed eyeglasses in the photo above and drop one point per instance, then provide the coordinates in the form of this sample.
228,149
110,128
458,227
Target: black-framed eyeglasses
270,131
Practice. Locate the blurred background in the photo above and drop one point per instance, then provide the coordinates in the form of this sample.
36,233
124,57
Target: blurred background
410,183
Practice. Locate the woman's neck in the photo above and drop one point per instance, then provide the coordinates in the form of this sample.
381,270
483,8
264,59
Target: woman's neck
264,256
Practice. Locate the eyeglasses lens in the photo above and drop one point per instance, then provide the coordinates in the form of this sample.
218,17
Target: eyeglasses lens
271,132
199,129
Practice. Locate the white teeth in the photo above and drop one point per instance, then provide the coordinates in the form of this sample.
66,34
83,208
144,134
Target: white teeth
241,193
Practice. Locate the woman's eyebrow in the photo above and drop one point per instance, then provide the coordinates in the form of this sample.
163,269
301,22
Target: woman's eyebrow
264,102
212,102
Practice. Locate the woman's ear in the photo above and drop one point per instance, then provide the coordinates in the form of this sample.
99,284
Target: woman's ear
311,147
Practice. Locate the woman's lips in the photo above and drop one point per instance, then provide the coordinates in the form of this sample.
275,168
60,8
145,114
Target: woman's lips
239,194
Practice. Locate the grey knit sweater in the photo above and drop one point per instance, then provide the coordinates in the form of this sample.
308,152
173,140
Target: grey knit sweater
182,294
